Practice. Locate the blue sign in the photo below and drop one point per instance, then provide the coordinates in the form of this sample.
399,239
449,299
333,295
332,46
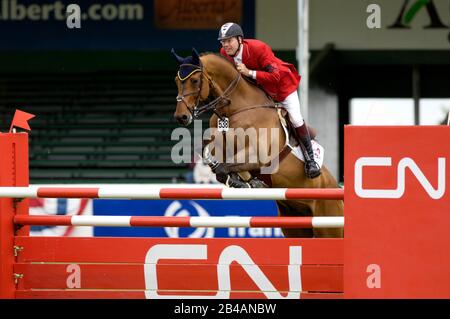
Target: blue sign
186,208
119,24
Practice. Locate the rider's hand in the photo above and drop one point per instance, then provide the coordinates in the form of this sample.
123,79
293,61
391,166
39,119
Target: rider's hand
243,69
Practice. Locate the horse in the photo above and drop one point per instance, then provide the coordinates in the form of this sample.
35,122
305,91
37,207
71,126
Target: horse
210,82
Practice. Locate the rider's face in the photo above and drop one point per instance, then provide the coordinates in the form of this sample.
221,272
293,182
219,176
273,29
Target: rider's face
230,45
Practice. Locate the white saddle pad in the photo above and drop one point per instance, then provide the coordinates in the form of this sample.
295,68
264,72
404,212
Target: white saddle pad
318,149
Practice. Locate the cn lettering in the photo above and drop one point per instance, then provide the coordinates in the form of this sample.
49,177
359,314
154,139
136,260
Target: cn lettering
406,162
228,255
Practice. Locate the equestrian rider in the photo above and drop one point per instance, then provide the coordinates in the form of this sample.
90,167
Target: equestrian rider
255,59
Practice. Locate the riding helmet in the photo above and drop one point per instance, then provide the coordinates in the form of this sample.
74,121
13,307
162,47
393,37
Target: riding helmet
229,30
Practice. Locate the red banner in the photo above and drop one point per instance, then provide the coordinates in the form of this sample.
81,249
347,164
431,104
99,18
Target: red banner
196,14
179,268
397,204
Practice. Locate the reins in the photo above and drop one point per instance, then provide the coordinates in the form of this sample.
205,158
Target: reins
214,105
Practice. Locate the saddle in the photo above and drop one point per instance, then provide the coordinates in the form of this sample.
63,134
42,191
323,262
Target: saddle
286,121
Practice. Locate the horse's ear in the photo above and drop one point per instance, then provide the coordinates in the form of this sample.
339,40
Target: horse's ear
176,56
195,57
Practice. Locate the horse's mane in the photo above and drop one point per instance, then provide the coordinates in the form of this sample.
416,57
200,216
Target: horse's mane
219,56
251,82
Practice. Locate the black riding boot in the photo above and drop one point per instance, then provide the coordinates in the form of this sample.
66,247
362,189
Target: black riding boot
312,169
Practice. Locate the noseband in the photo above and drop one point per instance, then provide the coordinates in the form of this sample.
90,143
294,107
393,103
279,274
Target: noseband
198,109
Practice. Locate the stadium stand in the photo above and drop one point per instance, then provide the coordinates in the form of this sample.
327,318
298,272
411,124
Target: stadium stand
106,127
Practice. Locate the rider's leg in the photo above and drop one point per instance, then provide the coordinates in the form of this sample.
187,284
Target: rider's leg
292,105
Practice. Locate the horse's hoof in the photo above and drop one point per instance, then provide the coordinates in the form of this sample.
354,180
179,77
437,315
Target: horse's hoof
256,183
235,183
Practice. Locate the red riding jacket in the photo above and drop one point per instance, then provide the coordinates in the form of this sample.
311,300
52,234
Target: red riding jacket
278,78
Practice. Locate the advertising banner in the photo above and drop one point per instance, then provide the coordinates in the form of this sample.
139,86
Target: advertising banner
119,25
397,205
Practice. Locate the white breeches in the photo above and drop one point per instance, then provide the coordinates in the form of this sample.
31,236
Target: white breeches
292,105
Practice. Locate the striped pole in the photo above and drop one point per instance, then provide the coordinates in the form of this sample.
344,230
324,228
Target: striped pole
146,221
151,192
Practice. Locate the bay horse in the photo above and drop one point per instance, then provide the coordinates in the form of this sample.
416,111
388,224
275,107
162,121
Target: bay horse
210,82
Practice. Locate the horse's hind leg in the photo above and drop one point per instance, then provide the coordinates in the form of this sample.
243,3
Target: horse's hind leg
329,208
287,211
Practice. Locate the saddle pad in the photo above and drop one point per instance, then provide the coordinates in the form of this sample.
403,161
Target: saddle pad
318,149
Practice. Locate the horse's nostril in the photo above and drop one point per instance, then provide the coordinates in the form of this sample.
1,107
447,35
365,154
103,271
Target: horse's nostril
182,119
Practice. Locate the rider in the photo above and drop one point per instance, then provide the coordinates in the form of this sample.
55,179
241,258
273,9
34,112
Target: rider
255,59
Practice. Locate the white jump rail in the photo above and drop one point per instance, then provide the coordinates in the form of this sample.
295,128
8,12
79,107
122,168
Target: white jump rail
163,221
150,192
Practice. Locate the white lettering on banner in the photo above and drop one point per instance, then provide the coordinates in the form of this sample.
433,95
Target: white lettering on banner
227,256
404,163
14,10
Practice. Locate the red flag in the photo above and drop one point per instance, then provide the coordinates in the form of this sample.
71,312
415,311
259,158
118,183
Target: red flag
21,119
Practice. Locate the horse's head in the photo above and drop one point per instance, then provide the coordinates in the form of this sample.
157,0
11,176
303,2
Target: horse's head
192,87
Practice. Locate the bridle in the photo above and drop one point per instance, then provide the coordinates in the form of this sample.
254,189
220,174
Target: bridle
216,104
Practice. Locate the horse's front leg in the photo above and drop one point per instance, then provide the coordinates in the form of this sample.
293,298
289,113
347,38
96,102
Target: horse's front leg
228,173
237,176
221,170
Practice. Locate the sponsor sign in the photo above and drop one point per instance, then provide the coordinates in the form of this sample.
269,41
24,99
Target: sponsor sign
397,204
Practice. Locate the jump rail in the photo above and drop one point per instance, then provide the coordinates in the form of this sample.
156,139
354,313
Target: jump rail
171,193
145,221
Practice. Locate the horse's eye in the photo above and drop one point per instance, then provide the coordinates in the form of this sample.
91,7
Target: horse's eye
194,81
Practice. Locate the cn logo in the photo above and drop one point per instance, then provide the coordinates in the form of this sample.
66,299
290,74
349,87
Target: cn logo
229,254
404,163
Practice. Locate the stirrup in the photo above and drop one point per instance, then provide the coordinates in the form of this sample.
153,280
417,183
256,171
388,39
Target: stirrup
312,169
